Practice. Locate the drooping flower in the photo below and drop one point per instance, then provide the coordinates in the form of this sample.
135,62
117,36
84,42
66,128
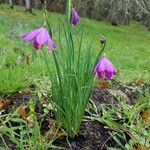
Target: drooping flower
39,37
75,17
105,69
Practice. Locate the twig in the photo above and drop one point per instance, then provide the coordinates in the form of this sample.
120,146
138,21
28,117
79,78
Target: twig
3,140
69,143
107,140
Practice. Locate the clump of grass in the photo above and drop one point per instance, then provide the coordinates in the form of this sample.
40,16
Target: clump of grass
130,128
22,136
71,79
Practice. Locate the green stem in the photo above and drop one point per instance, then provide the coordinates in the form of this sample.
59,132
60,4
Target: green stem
46,20
44,13
58,71
68,11
69,35
100,53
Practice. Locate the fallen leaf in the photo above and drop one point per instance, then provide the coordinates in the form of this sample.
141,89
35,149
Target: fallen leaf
140,82
119,115
141,147
145,115
54,131
22,112
5,103
30,122
104,84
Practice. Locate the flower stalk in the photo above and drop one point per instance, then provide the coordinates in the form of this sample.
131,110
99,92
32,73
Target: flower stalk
68,11
103,42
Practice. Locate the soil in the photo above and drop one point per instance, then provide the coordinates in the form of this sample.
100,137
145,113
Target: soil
93,135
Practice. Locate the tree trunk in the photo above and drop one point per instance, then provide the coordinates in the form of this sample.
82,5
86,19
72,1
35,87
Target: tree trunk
21,2
112,14
11,4
147,5
37,4
28,6
6,1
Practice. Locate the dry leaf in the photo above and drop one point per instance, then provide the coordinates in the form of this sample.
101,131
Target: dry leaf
5,103
119,115
54,131
104,84
140,82
22,112
30,122
141,147
145,115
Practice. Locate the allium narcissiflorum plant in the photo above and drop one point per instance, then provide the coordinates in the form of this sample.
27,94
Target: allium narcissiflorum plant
72,77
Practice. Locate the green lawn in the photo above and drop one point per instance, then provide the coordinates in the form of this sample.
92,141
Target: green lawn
127,47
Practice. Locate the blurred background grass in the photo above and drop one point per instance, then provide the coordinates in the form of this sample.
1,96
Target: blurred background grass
128,47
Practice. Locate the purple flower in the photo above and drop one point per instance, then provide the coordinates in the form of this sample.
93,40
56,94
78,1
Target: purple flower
75,17
105,69
39,37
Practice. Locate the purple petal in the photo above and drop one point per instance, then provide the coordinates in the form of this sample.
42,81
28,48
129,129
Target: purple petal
101,75
50,43
108,75
36,45
31,35
75,17
42,37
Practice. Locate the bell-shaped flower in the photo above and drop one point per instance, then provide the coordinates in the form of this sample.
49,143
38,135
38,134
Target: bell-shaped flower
104,69
39,37
75,17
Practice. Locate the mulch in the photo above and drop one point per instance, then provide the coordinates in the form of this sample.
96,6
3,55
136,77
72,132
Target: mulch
93,134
